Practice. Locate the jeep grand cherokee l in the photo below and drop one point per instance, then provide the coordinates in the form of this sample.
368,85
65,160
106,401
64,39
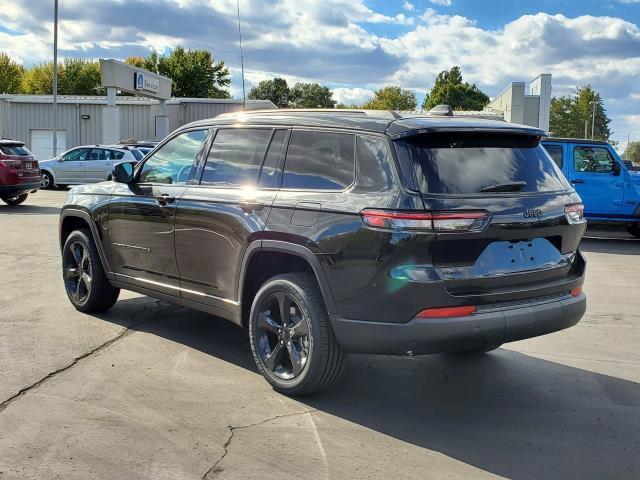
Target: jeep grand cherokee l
328,232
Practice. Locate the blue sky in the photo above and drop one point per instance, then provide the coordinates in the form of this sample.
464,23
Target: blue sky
356,46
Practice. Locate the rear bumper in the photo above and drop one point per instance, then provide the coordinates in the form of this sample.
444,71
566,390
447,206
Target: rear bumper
440,335
18,189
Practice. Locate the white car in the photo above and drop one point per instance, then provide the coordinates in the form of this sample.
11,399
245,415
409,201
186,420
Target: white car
86,164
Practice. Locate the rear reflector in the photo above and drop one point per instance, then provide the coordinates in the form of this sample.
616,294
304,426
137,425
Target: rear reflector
447,312
429,221
576,291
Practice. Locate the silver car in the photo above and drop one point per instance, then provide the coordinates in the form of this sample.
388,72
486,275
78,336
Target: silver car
86,164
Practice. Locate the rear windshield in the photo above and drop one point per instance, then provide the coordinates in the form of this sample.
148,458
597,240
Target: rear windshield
482,164
18,150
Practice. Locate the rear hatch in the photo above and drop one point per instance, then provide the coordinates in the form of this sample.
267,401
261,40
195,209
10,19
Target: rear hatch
507,222
19,161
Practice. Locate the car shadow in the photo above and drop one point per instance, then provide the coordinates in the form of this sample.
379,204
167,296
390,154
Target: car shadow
505,412
28,210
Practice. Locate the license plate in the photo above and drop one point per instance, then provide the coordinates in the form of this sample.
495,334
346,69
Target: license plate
28,165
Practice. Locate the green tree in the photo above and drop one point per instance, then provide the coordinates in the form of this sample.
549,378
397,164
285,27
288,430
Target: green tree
572,116
11,74
311,95
449,89
75,77
194,73
632,152
276,90
392,98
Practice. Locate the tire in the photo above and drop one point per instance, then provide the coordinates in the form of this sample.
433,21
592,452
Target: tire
84,279
13,201
46,180
320,355
634,229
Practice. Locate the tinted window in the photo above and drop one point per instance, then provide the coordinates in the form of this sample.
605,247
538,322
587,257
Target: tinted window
98,154
270,173
319,161
17,150
173,162
236,156
374,164
592,159
116,154
78,155
468,163
555,152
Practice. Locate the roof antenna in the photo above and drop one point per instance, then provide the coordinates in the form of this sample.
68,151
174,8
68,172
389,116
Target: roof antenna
244,100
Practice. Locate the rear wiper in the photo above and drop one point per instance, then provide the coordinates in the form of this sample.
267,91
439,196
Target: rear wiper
505,187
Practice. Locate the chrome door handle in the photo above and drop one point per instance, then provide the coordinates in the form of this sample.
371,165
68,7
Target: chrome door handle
250,207
165,198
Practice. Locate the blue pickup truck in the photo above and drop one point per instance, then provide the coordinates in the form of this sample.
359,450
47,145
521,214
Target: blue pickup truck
609,190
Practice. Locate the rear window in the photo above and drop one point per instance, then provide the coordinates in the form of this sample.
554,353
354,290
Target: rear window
17,150
482,163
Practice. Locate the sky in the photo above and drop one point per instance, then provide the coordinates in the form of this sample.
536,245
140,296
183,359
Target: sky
357,46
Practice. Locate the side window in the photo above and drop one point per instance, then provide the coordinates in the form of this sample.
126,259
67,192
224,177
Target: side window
555,152
270,174
77,155
374,164
115,154
173,162
319,161
236,156
98,154
592,159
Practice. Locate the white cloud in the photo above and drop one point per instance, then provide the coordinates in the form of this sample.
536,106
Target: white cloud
444,3
408,6
352,96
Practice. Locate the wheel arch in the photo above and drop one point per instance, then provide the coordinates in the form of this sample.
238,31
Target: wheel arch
287,257
73,219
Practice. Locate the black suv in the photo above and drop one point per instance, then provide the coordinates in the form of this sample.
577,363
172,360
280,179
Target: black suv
326,232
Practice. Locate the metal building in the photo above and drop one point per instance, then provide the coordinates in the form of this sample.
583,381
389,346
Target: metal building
30,118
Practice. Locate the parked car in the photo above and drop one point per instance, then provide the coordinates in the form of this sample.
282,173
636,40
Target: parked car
327,232
19,172
609,189
86,164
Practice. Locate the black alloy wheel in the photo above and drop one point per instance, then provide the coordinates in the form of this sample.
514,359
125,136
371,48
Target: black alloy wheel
17,200
282,334
78,275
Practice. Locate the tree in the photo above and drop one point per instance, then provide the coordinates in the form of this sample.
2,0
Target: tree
449,89
276,90
392,98
11,74
632,152
194,73
311,95
75,77
572,116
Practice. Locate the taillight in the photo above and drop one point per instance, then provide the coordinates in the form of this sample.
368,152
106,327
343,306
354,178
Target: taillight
431,221
11,163
574,213
576,291
447,312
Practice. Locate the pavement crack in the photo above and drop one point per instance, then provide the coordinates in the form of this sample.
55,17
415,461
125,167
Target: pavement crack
49,376
214,469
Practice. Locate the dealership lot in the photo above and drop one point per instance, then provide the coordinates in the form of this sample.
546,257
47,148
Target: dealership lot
153,390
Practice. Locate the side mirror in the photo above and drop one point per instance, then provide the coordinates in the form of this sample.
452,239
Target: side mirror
616,168
123,172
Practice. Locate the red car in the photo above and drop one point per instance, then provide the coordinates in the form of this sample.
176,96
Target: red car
19,172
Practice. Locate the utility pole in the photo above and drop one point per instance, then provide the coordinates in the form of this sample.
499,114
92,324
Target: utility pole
593,118
241,56
55,78
586,128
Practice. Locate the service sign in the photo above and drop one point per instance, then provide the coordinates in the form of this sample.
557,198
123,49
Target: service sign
145,83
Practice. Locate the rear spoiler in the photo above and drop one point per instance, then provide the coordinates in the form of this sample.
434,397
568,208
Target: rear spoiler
507,129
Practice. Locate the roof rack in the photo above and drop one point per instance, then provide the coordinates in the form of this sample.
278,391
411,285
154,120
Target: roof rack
333,111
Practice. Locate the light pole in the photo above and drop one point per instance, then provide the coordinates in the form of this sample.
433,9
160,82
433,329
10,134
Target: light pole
55,78
593,118
241,56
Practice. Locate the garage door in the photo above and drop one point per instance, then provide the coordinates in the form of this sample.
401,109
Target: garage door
42,143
